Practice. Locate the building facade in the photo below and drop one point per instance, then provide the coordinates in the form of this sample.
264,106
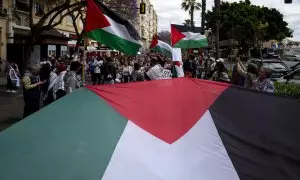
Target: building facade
15,21
15,26
147,23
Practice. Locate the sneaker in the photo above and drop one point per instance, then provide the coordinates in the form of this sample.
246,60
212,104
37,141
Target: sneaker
8,91
14,91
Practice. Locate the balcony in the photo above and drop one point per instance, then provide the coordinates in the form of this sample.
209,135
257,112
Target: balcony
22,5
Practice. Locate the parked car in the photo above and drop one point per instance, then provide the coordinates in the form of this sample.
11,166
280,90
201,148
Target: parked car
291,57
277,67
291,78
296,66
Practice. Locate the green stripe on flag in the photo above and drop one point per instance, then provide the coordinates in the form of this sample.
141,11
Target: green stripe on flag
114,41
73,138
162,50
189,44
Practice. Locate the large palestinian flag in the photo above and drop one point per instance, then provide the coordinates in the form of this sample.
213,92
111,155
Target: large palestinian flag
160,46
179,129
108,28
186,37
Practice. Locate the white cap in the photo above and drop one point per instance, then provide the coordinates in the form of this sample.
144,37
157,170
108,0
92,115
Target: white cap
220,60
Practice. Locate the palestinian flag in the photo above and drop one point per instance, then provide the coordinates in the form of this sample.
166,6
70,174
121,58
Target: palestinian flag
164,130
187,38
108,28
160,46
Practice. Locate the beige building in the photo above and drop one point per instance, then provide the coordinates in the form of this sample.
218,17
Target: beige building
146,24
14,27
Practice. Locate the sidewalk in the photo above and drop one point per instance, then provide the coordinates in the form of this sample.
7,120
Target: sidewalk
11,108
2,81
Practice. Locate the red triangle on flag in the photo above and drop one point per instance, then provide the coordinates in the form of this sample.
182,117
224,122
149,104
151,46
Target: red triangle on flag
154,41
176,35
95,18
166,109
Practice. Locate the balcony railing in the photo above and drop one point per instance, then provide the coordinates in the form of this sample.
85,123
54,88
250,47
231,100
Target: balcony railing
21,18
22,5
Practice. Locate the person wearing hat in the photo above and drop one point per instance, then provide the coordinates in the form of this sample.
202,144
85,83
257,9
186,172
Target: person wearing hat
220,71
31,90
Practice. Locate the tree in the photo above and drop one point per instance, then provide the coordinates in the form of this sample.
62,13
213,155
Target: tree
165,36
249,24
60,9
203,15
188,23
191,6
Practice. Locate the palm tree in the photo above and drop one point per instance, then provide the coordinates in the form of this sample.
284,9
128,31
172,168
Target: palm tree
188,23
191,6
203,15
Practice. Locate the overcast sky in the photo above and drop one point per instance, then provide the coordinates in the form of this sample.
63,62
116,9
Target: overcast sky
169,11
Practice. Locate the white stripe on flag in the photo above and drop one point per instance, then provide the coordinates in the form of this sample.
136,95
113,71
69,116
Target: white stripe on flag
119,30
164,46
193,36
199,154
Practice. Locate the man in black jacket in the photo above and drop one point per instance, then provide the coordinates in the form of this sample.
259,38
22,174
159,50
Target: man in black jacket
109,71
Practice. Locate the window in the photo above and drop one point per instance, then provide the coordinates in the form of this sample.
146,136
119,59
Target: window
51,50
39,9
22,5
63,50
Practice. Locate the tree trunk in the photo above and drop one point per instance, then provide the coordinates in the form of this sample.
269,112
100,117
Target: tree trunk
192,17
260,52
217,5
203,16
27,49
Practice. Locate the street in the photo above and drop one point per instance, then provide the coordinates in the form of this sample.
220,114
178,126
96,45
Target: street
11,108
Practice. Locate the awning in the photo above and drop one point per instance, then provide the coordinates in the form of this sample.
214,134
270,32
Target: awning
23,1
47,37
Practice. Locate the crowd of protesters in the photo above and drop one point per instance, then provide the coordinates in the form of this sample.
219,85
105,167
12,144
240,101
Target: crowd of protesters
123,69
54,78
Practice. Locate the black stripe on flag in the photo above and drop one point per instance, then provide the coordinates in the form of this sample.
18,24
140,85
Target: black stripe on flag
130,28
260,133
182,28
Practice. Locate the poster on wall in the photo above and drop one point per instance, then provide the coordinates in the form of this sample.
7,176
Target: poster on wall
52,50
63,50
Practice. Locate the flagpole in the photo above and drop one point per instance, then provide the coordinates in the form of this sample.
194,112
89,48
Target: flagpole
171,33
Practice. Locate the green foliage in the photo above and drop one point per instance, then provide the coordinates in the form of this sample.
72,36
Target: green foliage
188,23
291,90
248,23
191,6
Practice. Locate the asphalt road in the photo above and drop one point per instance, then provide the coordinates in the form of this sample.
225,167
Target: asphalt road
11,108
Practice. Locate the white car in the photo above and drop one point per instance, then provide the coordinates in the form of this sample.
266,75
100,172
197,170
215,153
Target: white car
291,78
292,57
